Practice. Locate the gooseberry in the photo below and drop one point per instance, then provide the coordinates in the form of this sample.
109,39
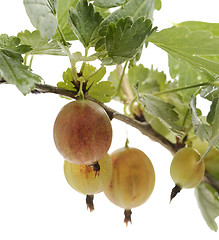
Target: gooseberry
132,181
212,158
82,132
186,169
86,180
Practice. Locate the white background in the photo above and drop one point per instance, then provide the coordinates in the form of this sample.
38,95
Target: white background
35,200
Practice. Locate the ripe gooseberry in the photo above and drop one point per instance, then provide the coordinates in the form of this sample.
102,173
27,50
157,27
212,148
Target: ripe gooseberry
86,180
186,170
82,132
132,181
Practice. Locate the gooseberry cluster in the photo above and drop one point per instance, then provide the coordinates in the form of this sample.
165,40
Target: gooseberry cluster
83,135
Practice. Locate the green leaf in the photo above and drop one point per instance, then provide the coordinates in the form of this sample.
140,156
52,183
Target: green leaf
102,91
162,110
196,25
39,44
41,16
186,75
188,46
67,81
62,15
123,40
212,112
214,141
13,44
201,128
208,202
109,4
132,8
95,77
85,22
148,80
14,72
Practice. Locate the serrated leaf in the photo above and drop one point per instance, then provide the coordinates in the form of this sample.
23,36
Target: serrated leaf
85,22
212,112
14,72
201,129
77,57
13,44
102,91
208,202
214,141
196,25
68,80
39,44
148,80
109,4
188,46
133,8
62,15
95,77
123,40
41,16
162,110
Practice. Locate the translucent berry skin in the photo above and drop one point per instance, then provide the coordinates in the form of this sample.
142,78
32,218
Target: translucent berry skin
85,179
186,169
82,132
133,178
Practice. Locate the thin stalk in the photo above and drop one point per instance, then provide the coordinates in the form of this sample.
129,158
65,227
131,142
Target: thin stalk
84,63
121,78
62,36
31,61
182,88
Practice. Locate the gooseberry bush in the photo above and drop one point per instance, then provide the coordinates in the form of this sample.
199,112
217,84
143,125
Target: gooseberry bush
115,34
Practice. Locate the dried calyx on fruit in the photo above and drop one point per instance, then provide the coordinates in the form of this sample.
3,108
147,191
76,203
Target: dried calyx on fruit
186,170
82,132
132,181
85,179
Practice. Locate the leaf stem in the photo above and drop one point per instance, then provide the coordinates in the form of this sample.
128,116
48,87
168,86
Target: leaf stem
84,63
121,78
62,36
182,88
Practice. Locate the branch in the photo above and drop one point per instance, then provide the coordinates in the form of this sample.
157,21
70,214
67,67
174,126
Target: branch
144,127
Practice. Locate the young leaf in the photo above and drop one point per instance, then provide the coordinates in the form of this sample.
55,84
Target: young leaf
39,44
41,16
67,81
191,47
158,4
62,15
123,39
201,129
132,8
109,4
162,110
85,22
208,202
95,77
102,91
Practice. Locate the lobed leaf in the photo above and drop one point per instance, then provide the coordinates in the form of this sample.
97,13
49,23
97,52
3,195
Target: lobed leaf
123,40
14,72
132,8
41,16
208,202
103,91
40,45
68,80
85,22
